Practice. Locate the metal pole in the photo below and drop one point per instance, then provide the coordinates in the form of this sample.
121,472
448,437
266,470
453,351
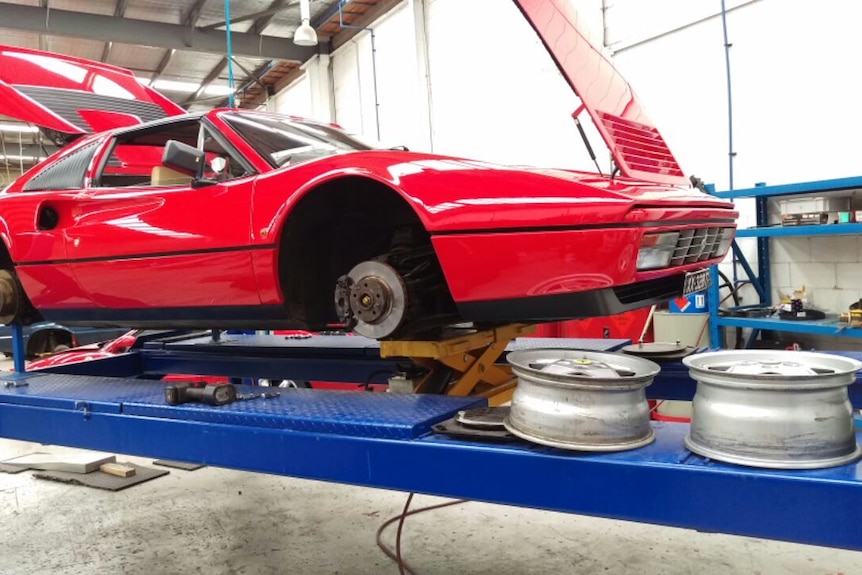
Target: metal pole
229,53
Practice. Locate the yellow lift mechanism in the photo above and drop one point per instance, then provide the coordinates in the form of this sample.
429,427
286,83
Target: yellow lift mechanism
471,357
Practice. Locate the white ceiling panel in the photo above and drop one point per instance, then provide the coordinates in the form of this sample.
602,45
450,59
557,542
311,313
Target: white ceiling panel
172,12
135,57
185,65
20,39
91,6
87,49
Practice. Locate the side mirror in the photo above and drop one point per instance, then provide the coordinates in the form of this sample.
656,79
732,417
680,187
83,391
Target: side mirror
184,158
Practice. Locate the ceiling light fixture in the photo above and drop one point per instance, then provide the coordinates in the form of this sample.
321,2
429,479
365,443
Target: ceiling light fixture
18,128
305,34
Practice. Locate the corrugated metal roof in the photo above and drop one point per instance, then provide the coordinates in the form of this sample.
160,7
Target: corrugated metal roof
20,39
89,49
138,58
89,6
189,68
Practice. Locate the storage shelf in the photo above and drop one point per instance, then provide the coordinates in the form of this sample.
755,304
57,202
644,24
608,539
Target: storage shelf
828,326
784,231
834,185
761,277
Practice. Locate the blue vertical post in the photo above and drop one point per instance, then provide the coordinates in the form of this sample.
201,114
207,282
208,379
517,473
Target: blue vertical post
712,306
19,351
229,53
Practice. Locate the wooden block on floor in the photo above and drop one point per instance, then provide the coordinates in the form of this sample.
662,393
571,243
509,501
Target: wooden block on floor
118,469
67,462
103,480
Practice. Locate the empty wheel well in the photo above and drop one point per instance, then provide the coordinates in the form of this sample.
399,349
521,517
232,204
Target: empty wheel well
15,302
47,341
333,228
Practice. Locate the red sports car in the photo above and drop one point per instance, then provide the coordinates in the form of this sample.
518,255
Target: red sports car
238,218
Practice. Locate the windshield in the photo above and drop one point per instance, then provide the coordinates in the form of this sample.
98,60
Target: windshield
286,141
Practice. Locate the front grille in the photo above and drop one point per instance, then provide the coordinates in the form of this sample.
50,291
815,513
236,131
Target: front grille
659,289
696,245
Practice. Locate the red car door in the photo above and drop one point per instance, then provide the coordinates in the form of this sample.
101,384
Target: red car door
128,242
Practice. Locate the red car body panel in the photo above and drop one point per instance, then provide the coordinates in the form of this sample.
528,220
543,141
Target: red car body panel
44,89
638,147
152,255
502,266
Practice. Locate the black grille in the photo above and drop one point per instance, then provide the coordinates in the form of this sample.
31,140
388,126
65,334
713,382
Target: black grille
657,289
696,245
66,103
66,173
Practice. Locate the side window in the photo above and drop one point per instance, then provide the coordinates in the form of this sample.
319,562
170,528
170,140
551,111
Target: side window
130,164
222,164
136,157
67,173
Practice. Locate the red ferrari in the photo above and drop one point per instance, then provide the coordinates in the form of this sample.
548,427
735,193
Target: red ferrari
238,218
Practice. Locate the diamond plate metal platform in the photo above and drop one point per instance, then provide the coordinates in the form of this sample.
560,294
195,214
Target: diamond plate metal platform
354,413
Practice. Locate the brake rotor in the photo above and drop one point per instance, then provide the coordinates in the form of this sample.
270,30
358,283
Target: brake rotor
378,299
10,297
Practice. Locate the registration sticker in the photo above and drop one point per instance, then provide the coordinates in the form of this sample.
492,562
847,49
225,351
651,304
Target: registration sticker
696,281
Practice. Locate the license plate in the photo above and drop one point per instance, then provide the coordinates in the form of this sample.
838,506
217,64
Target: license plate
695,282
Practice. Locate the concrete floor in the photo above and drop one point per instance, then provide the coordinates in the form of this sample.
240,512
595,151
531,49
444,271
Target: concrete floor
219,521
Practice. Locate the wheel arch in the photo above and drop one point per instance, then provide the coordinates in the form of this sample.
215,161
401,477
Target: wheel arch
26,313
331,225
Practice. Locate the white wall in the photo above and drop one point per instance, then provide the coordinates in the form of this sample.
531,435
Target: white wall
496,95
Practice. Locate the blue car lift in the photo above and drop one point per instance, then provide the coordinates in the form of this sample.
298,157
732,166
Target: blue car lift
387,440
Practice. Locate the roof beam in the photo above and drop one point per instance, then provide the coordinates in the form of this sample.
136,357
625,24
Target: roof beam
119,12
274,8
194,13
163,64
210,78
261,23
147,33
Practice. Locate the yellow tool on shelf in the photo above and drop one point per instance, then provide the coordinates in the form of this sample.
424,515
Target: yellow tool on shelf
464,364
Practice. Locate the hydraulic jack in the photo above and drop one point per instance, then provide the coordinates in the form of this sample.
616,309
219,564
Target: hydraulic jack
464,364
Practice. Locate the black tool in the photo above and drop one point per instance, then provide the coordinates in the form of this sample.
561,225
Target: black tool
209,394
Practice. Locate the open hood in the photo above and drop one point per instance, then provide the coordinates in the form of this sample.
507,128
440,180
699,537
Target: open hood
71,96
636,144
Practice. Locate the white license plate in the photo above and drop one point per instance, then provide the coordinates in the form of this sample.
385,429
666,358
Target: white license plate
695,282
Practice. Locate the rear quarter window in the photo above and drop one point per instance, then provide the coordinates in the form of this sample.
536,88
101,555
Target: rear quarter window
67,173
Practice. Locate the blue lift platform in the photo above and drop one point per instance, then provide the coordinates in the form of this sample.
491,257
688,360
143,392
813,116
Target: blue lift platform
388,440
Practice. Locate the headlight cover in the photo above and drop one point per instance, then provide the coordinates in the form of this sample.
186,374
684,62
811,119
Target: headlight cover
656,250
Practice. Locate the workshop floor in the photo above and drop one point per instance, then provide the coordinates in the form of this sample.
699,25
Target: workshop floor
219,521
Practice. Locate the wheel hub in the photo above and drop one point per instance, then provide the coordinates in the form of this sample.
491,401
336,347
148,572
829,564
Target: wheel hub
370,299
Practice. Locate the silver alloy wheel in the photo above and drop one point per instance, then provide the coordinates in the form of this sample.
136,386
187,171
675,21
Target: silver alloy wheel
581,400
773,409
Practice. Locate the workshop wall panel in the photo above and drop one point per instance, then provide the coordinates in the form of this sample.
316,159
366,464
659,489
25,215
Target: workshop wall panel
376,89
295,100
496,94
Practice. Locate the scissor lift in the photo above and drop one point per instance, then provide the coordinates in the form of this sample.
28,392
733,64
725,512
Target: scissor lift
388,440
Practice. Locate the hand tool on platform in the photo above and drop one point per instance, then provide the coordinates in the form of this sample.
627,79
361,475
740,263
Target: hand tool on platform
209,394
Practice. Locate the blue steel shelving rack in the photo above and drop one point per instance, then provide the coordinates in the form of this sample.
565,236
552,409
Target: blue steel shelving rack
760,279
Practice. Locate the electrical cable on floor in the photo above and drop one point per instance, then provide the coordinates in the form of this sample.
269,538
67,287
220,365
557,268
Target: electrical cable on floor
395,555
